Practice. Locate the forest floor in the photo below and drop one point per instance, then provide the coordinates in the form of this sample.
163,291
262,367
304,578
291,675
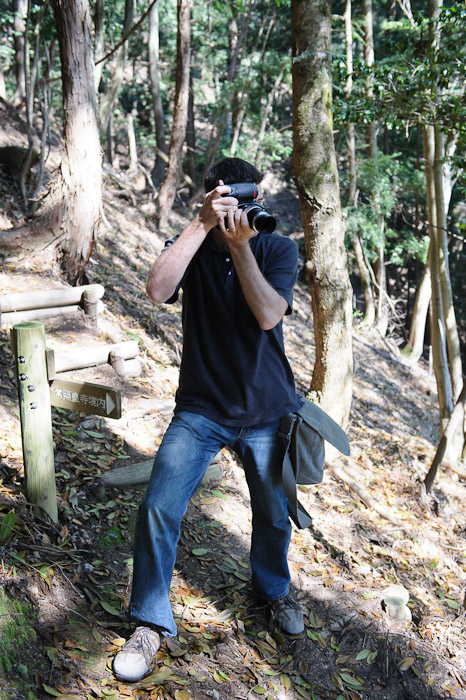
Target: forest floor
64,590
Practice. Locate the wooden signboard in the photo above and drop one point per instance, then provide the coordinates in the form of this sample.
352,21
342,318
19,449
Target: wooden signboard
86,397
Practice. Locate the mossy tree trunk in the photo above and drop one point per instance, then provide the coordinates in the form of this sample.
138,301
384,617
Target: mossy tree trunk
315,174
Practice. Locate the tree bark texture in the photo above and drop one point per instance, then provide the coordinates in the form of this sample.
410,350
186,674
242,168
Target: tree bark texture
413,349
453,341
99,40
108,98
381,308
364,273
456,421
442,373
315,174
20,9
157,105
180,116
68,223
415,345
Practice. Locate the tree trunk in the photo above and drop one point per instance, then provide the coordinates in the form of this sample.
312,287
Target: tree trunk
442,373
413,349
315,173
415,345
266,113
243,102
364,274
132,148
381,309
451,429
99,39
180,116
222,118
21,10
108,98
69,221
158,170
191,134
2,82
453,341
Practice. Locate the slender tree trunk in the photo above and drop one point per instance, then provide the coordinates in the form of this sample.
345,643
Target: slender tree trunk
415,345
180,116
454,424
108,98
315,173
222,119
132,148
157,105
442,373
266,113
20,8
381,308
68,223
364,274
413,349
453,341
2,83
243,102
191,133
99,39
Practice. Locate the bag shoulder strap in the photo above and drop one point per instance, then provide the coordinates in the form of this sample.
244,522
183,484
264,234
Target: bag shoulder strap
297,512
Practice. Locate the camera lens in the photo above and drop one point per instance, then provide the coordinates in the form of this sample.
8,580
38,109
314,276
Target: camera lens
259,220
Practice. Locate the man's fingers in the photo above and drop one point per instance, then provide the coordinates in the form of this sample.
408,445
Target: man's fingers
219,191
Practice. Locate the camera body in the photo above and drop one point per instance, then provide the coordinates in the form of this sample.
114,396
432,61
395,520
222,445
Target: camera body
259,219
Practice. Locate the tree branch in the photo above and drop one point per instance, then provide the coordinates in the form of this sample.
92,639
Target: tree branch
127,35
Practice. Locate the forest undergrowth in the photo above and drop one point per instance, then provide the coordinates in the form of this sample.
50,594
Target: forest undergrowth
64,590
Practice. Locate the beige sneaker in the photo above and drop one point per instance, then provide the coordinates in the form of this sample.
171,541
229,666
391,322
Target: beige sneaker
138,656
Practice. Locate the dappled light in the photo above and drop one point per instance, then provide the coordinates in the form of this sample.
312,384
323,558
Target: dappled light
118,125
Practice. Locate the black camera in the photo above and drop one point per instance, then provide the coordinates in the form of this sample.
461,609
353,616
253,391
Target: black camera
259,219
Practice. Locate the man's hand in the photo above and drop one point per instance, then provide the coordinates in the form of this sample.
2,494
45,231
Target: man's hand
216,207
235,229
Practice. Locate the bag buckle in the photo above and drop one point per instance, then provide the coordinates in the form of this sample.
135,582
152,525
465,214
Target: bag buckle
287,423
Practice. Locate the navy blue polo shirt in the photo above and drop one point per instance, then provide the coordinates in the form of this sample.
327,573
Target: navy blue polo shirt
232,371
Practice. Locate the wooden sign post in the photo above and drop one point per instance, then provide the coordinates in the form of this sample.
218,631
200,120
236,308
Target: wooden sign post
28,340
36,395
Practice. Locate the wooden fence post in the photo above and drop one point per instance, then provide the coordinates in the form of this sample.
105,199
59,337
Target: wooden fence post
28,342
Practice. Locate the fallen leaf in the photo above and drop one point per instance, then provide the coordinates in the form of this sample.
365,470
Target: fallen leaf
406,663
182,695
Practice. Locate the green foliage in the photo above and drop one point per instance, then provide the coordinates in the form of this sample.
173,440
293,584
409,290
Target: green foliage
381,182
16,633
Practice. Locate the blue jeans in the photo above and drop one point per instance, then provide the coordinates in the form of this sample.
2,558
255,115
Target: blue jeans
189,444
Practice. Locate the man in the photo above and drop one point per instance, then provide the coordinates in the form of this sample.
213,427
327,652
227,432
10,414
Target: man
235,385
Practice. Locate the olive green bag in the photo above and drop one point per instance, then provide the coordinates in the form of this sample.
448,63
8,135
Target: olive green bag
303,434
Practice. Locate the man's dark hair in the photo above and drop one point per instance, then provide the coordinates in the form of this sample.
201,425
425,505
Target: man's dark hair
231,170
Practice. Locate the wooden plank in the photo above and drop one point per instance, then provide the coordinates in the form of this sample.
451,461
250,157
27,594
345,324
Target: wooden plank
139,473
10,318
41,299
95,355
28,342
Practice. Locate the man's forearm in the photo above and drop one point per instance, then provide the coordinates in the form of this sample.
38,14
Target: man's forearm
169,268
267,305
